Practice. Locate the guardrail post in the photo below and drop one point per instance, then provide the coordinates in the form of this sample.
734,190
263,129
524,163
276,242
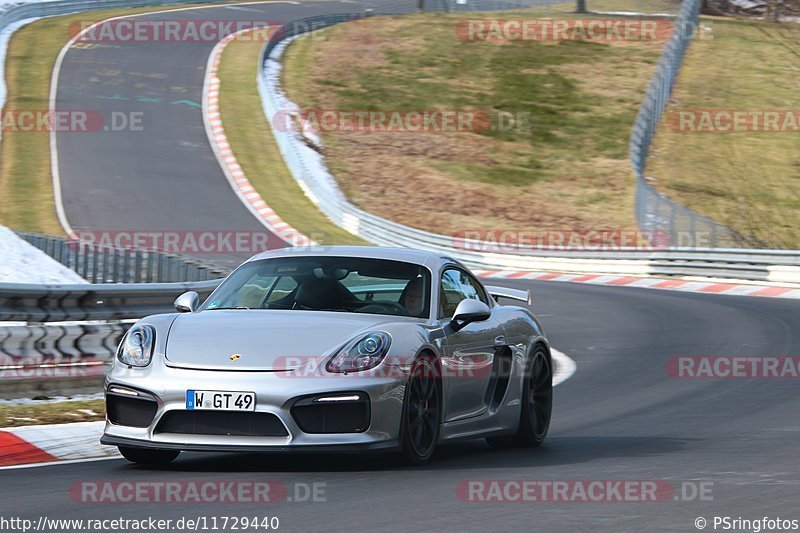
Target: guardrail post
106,256
95,264
84,256
115,270
126,267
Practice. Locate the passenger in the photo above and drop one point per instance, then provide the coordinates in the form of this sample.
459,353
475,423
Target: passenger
412,297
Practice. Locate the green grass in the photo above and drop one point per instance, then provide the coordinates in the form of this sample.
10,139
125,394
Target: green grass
33,414
568,169
749,181
256,151
26,190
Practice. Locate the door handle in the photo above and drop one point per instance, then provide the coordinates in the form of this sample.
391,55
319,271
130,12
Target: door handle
500,340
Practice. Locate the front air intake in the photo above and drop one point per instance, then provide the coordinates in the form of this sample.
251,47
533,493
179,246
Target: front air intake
222,423
333,413
133,411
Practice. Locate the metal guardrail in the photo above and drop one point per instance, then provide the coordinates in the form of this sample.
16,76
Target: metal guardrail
21,302
655,210
309,170
47,356
56,360
106,264
56,303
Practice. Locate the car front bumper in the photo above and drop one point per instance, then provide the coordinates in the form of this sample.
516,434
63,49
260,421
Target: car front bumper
276,393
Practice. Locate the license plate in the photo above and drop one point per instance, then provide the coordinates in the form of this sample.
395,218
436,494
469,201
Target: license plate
212,400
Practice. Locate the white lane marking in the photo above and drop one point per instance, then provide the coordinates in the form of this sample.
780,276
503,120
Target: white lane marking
54,168
79,440
565,366
743,290
59,463
60,212
645,282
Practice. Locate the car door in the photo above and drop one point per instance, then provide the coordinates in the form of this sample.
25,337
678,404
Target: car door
469,353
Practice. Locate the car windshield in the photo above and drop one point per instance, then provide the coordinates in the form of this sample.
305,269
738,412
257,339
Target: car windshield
343,284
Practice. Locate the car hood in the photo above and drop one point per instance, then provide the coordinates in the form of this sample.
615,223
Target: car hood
262,339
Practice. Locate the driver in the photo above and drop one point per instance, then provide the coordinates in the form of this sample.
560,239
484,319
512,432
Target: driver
412,298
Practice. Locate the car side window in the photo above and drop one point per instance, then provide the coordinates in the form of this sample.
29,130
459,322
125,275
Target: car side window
480,294
457,285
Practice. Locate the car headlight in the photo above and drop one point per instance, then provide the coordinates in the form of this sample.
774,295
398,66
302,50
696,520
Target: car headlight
136,348
360,354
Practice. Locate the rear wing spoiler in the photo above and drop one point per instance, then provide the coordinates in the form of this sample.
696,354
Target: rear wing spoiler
513,294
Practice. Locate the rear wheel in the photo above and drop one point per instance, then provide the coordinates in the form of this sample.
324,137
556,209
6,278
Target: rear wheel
537,404
148,457
421,412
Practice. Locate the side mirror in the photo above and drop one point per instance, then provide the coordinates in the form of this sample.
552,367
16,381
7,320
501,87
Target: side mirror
469,311
188,302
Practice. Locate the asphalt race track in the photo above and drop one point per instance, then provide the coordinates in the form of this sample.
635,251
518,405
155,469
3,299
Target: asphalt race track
165,176
620,417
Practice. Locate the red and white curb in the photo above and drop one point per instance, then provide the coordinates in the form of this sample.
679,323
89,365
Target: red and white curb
35,445
227,160
706,287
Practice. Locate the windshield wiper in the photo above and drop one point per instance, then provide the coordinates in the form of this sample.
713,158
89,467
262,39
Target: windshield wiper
228,308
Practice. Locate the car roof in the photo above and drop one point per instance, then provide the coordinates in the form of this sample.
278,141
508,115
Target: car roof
408,255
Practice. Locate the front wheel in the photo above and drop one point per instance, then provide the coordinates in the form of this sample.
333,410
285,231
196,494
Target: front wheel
419,427
537,404
148,457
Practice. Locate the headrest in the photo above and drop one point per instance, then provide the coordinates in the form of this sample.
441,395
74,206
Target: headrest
413,285
319,294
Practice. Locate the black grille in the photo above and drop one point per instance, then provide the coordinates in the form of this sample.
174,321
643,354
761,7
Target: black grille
127,411
332,417
229,423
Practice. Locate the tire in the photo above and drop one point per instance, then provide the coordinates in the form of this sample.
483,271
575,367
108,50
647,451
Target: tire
148,457
537,404
422,411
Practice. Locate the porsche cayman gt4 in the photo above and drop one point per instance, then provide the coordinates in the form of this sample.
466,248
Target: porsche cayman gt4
333,349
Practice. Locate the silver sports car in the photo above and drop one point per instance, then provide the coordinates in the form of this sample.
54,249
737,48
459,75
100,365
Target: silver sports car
332,349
